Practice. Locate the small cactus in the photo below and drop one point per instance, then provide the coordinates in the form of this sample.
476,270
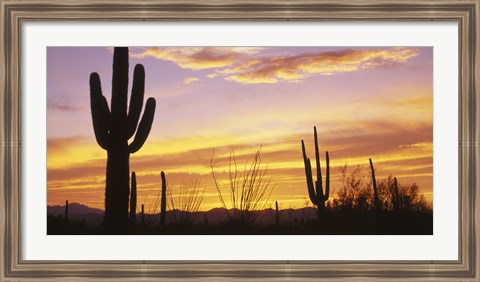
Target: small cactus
375,191
163,205
395,196
66,210
143,216
133,199
315,192
277,215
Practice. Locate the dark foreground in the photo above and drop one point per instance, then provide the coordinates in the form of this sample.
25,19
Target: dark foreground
290,222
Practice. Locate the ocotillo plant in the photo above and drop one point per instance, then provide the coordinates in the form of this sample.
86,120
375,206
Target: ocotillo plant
114,128
66,210
375,191
277,216
133,199
315,193
163,205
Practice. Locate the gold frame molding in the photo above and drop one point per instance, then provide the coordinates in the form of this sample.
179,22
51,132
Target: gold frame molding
14,13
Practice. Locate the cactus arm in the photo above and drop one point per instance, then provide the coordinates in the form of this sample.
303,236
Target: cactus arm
136,100
106,113
144,126
319,181
311,189
375,191
133,198
163,206
327,180
99,114
119,86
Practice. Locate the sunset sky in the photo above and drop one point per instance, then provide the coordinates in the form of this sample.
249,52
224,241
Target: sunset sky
366,103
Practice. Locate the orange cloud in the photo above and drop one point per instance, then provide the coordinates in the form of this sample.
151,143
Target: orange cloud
190,80
197,58
233,64
294,68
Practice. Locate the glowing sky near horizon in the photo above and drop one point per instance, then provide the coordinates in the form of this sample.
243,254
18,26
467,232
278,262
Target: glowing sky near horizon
366,103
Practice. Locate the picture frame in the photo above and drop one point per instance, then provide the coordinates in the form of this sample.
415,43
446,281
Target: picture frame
15,13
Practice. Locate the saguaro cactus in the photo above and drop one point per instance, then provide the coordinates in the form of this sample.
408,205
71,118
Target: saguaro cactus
163,205
143,216
315,193
133,199
375,191
114,128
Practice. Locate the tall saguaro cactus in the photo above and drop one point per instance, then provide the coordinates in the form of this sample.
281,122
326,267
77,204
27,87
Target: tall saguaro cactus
113,128
315,192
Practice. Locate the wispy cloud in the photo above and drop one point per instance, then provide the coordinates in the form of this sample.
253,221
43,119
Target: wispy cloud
60,106
190,80
237,64
297,67
197,58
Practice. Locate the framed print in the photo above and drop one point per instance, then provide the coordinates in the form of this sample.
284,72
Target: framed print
272,140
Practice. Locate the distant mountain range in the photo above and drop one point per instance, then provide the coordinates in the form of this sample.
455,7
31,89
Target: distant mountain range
73,208
93,216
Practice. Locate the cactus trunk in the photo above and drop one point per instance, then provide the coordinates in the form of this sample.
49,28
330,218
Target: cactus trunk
117,188
163,205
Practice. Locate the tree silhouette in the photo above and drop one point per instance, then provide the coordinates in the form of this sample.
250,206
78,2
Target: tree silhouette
114,128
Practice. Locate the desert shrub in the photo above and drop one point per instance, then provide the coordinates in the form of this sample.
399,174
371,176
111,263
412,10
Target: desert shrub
356,193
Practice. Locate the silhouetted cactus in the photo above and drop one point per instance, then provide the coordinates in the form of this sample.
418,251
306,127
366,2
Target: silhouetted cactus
315,193
133,199
143,216
375,191
277,216
163,205
114,129
395,196
66,210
